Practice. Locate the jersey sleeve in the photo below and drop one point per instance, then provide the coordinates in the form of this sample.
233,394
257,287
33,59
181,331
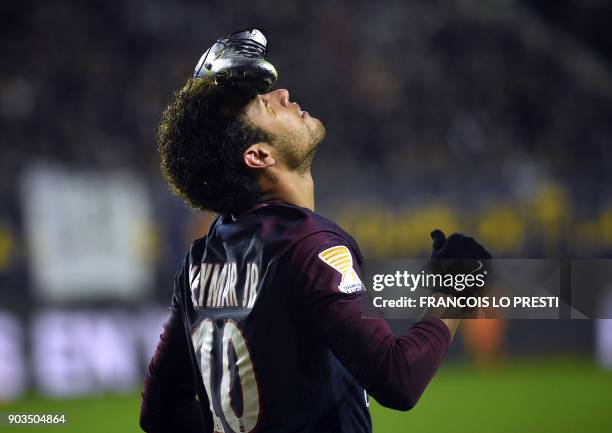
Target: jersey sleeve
326,276
169,392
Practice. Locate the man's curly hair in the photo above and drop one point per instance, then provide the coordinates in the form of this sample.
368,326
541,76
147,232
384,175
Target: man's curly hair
201,138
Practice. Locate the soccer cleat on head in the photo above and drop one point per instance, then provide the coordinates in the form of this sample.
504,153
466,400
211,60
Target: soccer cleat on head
238,61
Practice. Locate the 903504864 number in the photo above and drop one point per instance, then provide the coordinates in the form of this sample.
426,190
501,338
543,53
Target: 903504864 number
35,418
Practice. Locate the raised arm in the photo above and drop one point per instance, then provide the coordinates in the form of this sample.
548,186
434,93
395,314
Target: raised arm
394,370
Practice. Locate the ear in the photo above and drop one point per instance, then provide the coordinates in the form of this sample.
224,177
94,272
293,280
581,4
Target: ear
258,156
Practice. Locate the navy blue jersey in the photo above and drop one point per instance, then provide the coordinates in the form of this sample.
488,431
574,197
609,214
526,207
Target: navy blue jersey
262,362
272,307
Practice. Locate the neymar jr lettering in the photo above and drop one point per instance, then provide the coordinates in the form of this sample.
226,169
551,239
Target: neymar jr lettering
213,285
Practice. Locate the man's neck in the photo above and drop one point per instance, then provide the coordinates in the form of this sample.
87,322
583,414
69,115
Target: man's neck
291,187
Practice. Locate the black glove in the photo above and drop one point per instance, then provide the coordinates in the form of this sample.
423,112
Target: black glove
238,61
457,246
459,255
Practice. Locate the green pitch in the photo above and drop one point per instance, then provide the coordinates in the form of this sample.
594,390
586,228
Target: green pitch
544,395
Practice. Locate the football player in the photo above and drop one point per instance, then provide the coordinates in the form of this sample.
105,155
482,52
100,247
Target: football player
267,330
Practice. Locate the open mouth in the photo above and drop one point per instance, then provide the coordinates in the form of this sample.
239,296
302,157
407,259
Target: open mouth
300,112
299,109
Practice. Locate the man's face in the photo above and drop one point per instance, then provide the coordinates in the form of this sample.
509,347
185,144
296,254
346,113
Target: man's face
295,134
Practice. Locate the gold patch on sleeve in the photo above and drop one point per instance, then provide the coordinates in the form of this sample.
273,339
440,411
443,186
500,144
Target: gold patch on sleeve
339,258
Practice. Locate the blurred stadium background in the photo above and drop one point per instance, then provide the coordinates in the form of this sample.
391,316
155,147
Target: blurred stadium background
489,117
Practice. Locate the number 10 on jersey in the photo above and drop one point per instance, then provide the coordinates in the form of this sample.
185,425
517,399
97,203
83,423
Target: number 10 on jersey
242,371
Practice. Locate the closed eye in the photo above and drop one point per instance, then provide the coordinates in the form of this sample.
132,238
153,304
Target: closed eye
266,105
269,107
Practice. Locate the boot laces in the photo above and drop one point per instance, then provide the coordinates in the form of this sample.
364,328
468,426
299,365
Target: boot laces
247,47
